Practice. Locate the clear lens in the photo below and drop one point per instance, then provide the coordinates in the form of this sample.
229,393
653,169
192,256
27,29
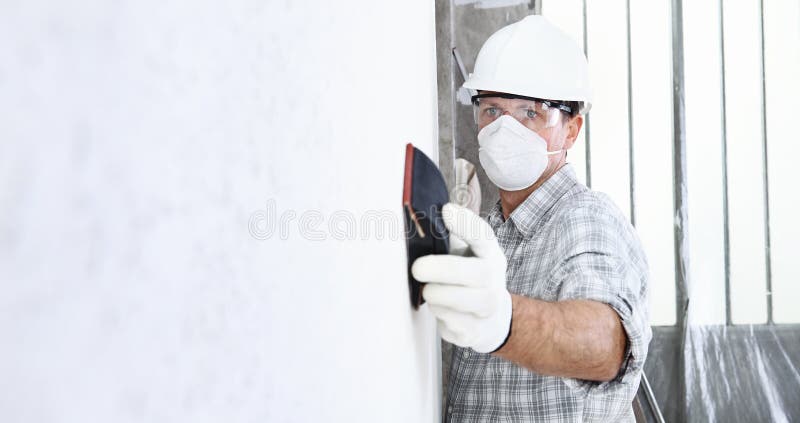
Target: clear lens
535,115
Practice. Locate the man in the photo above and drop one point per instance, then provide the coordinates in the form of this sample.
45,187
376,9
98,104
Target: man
547,301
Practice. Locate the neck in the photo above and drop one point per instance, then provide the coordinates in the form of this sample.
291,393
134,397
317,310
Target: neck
510,200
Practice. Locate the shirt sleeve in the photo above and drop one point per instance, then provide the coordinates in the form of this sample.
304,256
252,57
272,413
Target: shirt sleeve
603,261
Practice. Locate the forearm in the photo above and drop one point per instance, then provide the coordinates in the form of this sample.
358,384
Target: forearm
579,338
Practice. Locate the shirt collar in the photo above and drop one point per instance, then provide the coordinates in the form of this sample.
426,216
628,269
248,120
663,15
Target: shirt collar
526,216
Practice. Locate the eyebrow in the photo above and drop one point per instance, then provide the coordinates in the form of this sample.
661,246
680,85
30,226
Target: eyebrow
489,102
492,101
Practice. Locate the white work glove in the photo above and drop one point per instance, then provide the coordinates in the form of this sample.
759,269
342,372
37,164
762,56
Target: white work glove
468,295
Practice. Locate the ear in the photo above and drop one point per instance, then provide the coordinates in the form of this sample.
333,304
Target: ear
573,127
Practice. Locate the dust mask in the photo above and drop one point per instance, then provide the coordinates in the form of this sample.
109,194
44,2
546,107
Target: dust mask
513,156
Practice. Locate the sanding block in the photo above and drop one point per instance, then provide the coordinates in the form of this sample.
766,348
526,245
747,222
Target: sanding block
424,195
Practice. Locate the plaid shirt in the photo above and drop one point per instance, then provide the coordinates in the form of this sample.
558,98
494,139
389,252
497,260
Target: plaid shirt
563,242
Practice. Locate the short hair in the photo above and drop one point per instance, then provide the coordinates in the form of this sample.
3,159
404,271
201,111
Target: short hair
576,107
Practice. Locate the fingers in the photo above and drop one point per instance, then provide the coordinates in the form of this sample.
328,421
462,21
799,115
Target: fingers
453,326
471,228
459,299
447,334
458,247
451,270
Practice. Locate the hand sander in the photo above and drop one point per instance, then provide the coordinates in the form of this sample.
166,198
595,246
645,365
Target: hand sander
424,195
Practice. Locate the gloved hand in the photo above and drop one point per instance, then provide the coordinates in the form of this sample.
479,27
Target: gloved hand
468,295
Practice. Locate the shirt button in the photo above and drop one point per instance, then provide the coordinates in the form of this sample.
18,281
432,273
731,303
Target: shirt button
465,354
450,410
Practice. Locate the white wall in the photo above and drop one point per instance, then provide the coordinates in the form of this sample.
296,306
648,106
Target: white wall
139,139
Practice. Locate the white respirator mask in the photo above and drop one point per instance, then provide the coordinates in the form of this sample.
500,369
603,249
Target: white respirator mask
513,156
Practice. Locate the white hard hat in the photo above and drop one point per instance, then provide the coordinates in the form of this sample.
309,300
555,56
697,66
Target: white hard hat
533,58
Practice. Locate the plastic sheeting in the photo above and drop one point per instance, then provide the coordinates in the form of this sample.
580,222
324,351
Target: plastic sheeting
742,373
719,373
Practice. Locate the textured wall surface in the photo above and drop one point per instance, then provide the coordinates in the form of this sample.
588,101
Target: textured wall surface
184,190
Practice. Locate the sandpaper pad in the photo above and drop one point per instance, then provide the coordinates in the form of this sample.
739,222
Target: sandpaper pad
424,194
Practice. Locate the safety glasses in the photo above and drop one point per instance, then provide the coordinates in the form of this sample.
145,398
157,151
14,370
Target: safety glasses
534,113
